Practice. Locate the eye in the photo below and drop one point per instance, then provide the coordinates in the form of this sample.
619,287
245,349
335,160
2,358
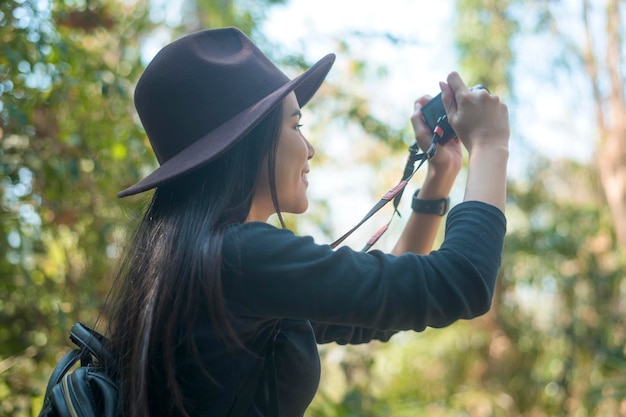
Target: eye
298,126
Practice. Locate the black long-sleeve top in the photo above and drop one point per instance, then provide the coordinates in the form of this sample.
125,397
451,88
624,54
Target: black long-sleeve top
321,295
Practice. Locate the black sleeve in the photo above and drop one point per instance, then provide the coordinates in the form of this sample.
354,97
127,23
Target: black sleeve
343,335
271,273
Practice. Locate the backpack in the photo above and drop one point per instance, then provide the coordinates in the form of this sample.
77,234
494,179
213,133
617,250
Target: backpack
88,391
91,391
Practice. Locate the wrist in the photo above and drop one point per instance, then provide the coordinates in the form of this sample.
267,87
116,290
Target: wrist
487,158
489,148
444,168
438,183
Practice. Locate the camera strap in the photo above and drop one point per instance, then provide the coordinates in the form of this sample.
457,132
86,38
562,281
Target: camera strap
395,193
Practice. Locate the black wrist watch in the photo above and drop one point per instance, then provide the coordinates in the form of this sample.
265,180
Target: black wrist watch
439,206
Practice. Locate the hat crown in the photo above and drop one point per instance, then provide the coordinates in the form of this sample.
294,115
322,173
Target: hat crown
198,83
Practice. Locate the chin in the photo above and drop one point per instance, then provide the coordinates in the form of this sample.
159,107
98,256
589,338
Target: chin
305,206
297,208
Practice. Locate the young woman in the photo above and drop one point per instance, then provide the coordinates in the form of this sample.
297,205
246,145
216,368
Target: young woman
218,313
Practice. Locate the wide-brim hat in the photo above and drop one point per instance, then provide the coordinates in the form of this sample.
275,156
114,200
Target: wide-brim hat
204,92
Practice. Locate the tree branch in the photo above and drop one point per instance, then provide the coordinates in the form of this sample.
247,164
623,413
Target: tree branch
590,62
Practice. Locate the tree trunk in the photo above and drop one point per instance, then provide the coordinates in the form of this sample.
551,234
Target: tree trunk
611,117
612,167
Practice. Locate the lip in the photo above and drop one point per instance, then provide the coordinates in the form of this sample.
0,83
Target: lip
304,176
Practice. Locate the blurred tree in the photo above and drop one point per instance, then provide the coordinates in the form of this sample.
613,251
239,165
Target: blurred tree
590,47
556,337
484,31
604,69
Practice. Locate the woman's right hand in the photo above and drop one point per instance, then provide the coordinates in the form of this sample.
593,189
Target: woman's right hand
478,118
481,121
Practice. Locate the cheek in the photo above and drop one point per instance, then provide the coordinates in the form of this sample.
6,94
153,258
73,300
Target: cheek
290,162
300,151
291,156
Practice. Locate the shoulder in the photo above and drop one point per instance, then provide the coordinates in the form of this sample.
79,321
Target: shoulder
252,228
262,241
257,234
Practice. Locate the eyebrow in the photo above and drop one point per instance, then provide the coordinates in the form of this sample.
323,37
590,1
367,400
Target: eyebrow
297,113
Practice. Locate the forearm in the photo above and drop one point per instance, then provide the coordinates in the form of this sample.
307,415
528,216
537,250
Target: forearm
486,178
418,235
421,229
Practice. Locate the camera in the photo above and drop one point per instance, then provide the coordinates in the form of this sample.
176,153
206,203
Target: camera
434,114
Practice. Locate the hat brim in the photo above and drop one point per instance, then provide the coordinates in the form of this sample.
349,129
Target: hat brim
219,140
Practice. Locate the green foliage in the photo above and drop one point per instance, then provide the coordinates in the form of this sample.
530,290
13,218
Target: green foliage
484,35
561,293
245,14
69,142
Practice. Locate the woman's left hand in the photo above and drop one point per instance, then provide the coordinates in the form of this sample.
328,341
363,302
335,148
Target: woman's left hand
421,229
446,164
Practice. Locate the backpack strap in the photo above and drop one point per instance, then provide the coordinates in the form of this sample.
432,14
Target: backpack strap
93,342
64,365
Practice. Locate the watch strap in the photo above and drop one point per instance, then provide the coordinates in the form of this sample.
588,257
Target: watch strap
438,206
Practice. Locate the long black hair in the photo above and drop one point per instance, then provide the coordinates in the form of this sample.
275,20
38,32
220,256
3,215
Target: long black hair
172,270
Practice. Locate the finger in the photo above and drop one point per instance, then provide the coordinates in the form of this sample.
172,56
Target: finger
417,117
420,128
419,125
447,97
456,82
420,102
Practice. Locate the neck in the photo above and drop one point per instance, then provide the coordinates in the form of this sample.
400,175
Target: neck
260,210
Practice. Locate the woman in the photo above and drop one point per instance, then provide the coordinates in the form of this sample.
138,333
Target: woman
218,313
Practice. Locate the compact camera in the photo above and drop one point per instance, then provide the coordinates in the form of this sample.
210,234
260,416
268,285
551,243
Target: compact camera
435,114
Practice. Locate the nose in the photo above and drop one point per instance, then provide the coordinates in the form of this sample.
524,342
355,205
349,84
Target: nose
310,149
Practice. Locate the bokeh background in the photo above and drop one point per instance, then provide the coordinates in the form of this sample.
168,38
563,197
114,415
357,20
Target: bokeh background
553,343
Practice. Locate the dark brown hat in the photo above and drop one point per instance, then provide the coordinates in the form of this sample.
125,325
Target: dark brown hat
204,92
